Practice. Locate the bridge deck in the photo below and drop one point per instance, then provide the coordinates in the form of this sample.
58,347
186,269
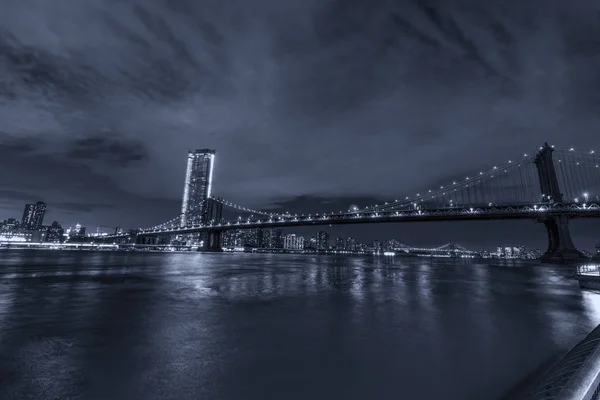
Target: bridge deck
530,212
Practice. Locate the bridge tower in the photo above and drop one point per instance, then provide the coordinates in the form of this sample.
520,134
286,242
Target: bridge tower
213,214
561,248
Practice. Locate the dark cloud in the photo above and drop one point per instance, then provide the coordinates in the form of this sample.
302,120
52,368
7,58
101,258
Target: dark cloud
82,207
11,145
15,195
100,101
107,149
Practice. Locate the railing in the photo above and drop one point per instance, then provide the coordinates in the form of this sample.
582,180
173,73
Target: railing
588,269
576,376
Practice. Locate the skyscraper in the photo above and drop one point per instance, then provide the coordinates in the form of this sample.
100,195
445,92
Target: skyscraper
198,185
272,238
322,240
28,215
33,215
293,242
55,233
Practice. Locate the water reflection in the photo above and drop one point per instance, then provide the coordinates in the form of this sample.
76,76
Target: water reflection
179,326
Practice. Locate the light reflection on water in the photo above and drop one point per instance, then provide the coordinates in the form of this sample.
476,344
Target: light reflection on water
255,326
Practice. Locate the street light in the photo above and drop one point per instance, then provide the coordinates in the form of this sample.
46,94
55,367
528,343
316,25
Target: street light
585,196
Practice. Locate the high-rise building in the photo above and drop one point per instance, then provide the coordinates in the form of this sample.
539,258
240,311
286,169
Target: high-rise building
350,244
272,239
293,242
310,243
28,215
322,240
254,238
9,225
233,238
55,233
33,215
198,185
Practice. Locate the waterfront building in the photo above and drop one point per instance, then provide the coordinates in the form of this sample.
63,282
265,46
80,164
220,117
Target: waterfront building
350,244
78,231
376,246
17,236
322,239
310,243
9,225
392,245
234,238
55,233
293,242
254,238
198,185
520,252
272,239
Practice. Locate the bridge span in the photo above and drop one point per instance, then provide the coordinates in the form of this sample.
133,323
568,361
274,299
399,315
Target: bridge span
529,212
550,187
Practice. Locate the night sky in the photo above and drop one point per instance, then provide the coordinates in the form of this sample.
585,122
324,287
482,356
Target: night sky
312,105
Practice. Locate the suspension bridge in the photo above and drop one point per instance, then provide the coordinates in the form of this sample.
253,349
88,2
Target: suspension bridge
550,186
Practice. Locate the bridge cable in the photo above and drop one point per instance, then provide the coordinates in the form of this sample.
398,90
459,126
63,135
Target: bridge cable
568,177
565,176
596,176
590,171
589,182
511,187
564,184
523,168
575,177
533,183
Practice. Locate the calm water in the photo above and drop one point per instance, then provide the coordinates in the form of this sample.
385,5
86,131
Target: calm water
243,326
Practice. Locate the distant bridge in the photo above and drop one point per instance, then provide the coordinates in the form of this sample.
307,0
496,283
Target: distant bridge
550,187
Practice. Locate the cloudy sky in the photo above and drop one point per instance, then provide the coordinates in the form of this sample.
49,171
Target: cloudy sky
314,103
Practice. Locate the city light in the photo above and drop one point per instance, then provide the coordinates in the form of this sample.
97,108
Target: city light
465,198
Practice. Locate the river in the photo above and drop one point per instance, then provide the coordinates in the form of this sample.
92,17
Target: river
107,325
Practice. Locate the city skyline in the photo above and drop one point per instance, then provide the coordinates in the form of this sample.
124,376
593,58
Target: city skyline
100,134
198,186
15,231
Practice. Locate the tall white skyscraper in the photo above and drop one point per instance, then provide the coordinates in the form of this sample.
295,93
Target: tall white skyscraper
198,185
